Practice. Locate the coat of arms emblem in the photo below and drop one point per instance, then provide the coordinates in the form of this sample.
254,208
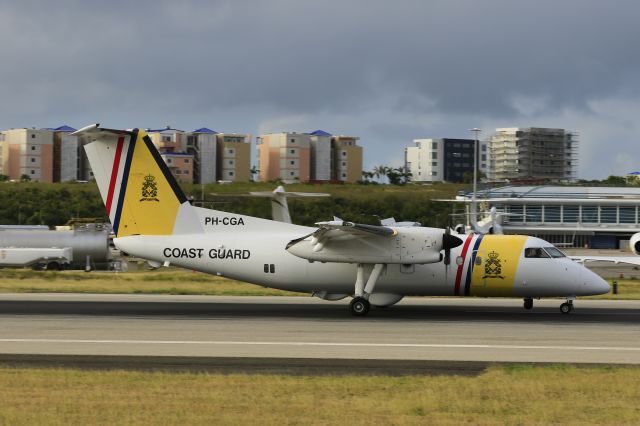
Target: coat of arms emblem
149,189
493,266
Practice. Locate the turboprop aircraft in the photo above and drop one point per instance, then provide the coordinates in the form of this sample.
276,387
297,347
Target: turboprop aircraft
374,264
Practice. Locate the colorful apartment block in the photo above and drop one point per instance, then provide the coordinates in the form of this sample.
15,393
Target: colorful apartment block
27,152
284,156
234,157
302,157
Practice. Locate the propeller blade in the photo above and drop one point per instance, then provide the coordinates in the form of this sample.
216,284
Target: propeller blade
448,242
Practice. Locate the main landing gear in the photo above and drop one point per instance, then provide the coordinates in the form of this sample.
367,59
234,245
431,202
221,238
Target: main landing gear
567,306
360,305
528,303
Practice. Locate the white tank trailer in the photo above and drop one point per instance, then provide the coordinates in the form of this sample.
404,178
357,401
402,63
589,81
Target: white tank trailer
89,243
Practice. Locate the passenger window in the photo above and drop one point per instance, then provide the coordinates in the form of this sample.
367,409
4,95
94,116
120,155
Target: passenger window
535,252
478,261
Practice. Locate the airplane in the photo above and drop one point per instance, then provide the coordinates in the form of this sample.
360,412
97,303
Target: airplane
376,265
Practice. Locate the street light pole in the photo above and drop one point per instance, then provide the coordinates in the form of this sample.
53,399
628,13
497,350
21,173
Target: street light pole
475,131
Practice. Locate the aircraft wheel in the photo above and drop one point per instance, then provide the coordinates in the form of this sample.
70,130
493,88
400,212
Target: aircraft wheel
359,306
565,308
528,303
54,266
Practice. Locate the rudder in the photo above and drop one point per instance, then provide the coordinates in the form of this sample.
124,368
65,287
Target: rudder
139,192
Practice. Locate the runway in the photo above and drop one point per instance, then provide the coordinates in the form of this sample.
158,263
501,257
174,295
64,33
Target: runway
446,330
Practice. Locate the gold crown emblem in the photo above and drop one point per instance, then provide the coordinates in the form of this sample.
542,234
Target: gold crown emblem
493,255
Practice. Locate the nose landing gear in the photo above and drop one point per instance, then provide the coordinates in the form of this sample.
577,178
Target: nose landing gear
528,303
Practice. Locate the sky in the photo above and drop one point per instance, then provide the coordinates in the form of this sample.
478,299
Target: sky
385,71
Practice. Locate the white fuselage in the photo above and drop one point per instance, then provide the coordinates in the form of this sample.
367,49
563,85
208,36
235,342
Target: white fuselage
258,255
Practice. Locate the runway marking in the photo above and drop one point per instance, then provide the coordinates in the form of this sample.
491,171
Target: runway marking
337,344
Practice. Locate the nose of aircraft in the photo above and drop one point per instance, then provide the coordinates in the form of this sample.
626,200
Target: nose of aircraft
592,283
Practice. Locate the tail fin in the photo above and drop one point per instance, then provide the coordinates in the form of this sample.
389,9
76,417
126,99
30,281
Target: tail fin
139,192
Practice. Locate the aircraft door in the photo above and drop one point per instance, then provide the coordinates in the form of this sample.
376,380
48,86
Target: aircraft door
480,263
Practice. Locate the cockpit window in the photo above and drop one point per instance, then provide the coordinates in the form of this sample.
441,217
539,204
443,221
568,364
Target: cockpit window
554,252
535,252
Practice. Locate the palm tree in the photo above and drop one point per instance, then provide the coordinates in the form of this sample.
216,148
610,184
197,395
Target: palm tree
380,172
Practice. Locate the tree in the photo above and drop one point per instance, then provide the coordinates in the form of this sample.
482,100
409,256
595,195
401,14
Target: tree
4,178
467,177
25,178
398,175
615,180
254,173
380,172
366,176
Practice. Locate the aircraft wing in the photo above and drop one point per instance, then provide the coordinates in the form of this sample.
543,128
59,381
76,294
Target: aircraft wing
629,260
354,229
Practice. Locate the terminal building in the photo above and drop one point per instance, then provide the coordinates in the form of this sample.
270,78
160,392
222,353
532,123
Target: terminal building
573,216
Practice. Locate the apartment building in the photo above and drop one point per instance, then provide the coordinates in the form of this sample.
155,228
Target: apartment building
204,155
172,144
533,153
168,139
66,154
320,156
233,157
346,159
202,143
28,152
285,156
444,160
180,164
314,156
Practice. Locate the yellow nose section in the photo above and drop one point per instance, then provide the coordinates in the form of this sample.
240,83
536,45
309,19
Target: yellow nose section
495,265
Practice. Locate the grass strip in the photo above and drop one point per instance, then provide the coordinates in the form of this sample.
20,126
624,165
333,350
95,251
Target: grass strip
176,281
520,395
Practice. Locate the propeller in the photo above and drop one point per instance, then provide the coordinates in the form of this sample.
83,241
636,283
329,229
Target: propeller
448,242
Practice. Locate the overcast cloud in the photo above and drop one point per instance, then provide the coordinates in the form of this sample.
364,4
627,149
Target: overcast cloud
389,72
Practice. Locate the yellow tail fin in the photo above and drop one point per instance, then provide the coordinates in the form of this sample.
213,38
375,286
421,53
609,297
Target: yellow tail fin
141,195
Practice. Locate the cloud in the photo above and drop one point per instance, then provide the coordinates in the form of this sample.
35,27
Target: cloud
387,72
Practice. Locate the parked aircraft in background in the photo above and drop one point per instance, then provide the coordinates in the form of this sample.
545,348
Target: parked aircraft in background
491,223
374,264
279,204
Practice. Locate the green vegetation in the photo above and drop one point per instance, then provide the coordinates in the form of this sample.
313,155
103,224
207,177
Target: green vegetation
627,290
503,395
163,281
55,204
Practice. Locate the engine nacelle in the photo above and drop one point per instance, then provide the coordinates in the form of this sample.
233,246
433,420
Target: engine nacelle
408,245
634,243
